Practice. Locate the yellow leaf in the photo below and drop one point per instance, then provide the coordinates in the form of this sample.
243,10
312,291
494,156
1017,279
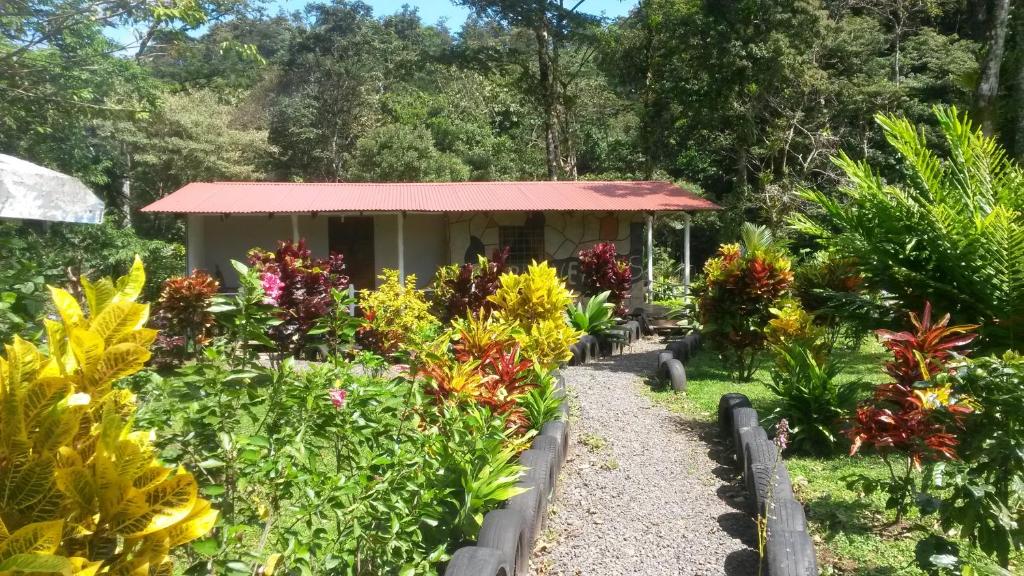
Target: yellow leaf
150,476
132,459
156,507
130,286
36,564
199,522
166,568
143,337
4,534
111,490
57,427
12,421
270,566
57,340
118,319
83,567
87,346
35,538
118,361
66,305
170,501
30,482
98,294
42,395
78,485
22,362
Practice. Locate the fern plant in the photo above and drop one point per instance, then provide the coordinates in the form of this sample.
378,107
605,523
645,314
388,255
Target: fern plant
951,231
80,491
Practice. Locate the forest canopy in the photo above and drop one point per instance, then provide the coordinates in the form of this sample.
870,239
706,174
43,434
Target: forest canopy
746,101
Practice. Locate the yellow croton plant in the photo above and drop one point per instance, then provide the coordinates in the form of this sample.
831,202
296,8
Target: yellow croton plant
80,491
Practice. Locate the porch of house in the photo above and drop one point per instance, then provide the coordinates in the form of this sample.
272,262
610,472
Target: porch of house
419,243
418,227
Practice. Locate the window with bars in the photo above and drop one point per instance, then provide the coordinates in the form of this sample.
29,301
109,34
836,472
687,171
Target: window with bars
525,244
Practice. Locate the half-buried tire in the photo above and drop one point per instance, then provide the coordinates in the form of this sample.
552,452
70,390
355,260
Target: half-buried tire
531,506
539,469
675,373
790,553
680,349
503,530
754,448
742,417
664,356
476,561
769,483
577,354
592,347
558,430
726,404
786,514
551,446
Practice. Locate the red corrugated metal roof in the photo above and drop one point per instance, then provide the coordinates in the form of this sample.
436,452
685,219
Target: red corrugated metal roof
286,197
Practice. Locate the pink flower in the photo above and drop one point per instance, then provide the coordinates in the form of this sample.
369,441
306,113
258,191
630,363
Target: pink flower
337,397
272,288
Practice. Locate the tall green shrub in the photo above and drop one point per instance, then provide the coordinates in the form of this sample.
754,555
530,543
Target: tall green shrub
742,285
950,231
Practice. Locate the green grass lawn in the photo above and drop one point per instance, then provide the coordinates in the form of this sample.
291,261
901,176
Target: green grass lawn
853,533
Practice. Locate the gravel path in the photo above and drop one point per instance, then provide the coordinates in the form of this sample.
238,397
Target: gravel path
642,493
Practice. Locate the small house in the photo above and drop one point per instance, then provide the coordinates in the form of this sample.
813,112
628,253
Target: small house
418,227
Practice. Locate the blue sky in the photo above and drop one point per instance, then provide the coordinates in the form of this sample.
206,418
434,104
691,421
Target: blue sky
430,11
433,10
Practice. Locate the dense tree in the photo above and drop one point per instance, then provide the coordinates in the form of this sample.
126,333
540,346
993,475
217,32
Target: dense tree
751,98
746,100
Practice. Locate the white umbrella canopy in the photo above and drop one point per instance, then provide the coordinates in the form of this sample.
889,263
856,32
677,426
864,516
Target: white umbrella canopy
31,192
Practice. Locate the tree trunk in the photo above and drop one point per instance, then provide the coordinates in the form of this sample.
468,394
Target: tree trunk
988,87
1018,137
549,97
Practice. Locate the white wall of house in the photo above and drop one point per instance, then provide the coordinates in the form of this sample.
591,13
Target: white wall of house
214,241
431,240
425,244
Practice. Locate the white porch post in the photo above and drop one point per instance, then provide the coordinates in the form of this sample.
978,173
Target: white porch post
650,257
194,242
686,256
401,247
295,228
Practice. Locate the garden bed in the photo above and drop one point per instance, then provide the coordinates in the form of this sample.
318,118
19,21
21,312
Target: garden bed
854,533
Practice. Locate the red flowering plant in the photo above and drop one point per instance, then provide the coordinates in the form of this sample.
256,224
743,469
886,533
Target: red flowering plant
459,290
300,285
602,269
183,317
912,416
741,286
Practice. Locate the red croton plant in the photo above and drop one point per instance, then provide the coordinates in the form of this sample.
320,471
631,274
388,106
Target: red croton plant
488,371
603,269
183,317
910,415
464,289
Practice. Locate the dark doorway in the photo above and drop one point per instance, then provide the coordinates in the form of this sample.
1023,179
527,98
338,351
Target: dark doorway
352,236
